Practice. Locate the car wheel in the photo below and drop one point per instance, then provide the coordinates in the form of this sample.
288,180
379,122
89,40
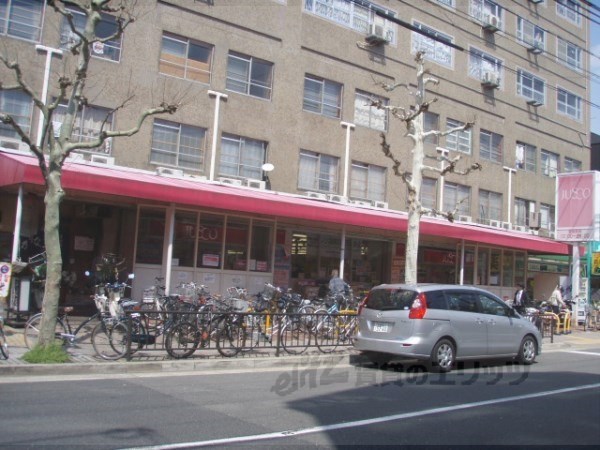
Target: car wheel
379,359
442,356
527,351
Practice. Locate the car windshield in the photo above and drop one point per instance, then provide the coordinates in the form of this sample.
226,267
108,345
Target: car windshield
386,299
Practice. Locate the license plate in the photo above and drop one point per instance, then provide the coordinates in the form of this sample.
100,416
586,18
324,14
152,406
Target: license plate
379,327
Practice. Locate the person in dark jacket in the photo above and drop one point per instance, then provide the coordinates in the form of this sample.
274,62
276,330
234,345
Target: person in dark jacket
521,299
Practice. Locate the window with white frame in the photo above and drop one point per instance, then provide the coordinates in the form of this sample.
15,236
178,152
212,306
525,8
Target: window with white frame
431,122
568,103
367,115
107,27
89,122
242,156
356,15
570,10
184,58
490,205
549,163
459,141
490,146
572,165
482,10
318,172
436,50
249,75
429,193
526,157
322,96
457,196
569,54
367,182
531,87
18,105
22,19
547,216
481,63
175,144
522,208
531,34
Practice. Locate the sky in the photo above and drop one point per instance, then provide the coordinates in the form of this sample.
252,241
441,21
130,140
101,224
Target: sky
595,79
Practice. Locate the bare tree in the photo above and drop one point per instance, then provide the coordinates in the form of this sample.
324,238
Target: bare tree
54,149
413,118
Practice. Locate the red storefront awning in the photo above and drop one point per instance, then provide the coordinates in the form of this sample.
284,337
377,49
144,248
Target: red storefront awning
18,169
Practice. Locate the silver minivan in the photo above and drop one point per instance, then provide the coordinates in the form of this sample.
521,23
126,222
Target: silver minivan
440,324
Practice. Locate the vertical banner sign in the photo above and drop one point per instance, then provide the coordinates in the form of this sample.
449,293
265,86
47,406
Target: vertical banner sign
5,270
577,206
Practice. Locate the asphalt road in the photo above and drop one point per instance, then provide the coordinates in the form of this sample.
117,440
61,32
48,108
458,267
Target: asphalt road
554,402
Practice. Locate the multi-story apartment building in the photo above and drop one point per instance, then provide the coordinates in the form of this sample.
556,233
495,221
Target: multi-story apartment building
272,169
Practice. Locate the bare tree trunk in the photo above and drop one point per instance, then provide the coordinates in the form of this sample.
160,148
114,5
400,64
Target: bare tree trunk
414,202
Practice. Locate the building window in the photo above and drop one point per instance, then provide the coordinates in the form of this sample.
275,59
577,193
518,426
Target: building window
547,217
242,156
237,234
367,115
457,196
18,105
211,232
431,121
569,54
261,246
367,182
435,49
490,205
106,27
526,157
89,122
322,97
570,10
568,103
22,19
184,58
531,87
490,146
150,236
522,209
549,163
184,238
429,193
448,3
481,64
572,165
530,34
356,15
178,145
250,76
459,141
318,172
482,10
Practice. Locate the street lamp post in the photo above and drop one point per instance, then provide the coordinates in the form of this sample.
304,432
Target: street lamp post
510,171
49,52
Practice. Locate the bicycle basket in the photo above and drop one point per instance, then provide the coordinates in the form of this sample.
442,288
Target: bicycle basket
101,303
260,304
187,292
270,292
238,304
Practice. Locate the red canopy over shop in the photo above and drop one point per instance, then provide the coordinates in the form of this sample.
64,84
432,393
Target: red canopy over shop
81,177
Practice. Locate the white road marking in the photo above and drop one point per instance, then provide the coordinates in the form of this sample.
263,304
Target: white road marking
359,423
579,352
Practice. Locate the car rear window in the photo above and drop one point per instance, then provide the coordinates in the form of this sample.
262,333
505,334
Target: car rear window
387,299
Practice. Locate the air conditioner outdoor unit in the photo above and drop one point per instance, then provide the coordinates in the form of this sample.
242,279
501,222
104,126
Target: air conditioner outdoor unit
101,159
495,223
361,203
169,172
490,79
464,218
256,184
506,225
376,34
535,103
535,220
336,198
231,181
380,204
317,195
483,221
491,23
520,228
73,157
552,234
14,145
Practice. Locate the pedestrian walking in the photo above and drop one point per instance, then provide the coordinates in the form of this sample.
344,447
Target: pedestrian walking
520,299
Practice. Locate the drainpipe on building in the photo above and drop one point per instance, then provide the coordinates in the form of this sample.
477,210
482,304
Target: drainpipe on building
510,171
18,217
213,151
349,127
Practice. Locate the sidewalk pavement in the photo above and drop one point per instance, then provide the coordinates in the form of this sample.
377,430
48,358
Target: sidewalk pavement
85,362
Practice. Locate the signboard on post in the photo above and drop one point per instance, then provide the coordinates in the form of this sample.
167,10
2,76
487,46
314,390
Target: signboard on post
578,207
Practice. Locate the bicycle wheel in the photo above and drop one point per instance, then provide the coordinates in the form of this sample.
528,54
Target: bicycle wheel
231,339
182,340
3,343
110,340
295,337
32,331
327,334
